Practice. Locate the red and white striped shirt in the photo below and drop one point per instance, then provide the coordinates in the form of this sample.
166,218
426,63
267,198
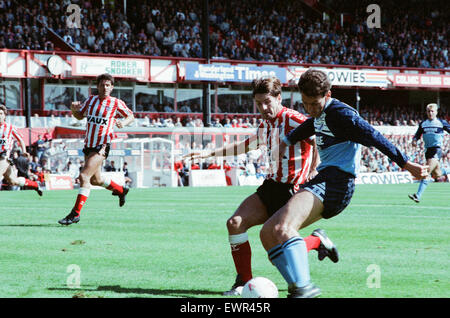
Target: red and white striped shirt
7,132
294,167
101,116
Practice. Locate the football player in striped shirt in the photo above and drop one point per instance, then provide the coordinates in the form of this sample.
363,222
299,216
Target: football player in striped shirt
102,112
339,131
432,132
7,170
285,177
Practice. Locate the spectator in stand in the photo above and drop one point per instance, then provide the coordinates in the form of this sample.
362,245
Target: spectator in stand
179,169
111,167
40,147
145,122
235,123
185,109
178,122
227,123
168,123
126,174
38,176
198,122
411,38
216,123
34,164
189,122
195,165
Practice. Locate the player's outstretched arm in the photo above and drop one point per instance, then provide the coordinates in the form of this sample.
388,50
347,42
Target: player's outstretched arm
234,149
417,170
125,122
75,107
21,144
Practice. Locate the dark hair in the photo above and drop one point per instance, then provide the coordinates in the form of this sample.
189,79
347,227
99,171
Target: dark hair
106,77
267,85
314,83
3,107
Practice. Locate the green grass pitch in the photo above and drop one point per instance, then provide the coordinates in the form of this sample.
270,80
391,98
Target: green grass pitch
172,242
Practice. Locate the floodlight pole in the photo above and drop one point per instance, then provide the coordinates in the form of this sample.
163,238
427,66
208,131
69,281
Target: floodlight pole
206,101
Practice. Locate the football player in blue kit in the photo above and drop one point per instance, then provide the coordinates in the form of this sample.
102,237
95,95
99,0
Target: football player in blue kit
432,132
339,131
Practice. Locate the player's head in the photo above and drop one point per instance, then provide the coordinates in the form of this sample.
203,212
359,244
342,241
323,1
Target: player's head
267,96
105,85
432,110
3,111
314,86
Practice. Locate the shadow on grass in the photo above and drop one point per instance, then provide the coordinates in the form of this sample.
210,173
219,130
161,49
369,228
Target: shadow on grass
30,225
159,292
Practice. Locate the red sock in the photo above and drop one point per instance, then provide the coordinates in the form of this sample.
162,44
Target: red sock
114,187
31,184
242,256
312,242
81,199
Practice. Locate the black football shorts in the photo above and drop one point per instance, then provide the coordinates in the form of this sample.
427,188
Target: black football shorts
274,195
100,149
433,153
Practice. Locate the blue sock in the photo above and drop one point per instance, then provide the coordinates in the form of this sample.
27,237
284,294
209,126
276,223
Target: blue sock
291,260
278,259
422,186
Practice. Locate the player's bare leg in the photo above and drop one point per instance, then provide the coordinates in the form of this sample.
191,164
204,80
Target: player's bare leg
10,174
3,166
99,180
303,209
286,249
93,164
435,168
435,172
250,212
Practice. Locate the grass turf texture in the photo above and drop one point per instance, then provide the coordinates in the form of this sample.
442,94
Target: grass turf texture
172,242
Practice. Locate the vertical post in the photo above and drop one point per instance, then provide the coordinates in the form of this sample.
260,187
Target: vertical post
206,101
175,101
216,97
27,104
27,96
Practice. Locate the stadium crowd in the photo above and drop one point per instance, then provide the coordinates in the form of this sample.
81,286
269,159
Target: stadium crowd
377,115
254,30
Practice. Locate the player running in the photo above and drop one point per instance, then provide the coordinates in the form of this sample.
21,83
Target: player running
7,169
281,183
101,112
339,131
432,130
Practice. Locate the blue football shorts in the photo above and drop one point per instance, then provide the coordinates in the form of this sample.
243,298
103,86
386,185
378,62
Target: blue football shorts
334,188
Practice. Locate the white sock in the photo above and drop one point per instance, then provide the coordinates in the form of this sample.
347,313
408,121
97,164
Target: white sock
21,181
106,182
236,239
84,191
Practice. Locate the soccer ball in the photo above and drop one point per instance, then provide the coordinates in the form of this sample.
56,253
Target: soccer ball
260,287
